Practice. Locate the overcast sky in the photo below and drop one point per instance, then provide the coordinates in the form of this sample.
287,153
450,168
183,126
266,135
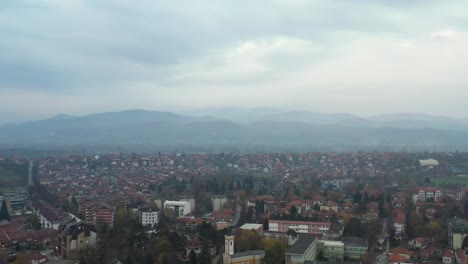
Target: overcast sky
366,57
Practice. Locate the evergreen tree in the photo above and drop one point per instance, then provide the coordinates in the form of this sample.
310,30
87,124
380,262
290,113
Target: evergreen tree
4,215
205,255
266,224
366,198
293,212
193,257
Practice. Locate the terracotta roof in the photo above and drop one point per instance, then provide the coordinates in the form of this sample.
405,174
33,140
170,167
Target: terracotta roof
448,253
401,251
396,258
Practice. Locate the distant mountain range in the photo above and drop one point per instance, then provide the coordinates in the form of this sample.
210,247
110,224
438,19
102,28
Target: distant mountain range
238,131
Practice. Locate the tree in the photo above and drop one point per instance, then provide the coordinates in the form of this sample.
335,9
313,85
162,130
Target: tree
4,215
357,198
434,229
316,207
161,247
274,251
35,222
366,198
205,255
248,240
266,224
193,257
293,212
292,233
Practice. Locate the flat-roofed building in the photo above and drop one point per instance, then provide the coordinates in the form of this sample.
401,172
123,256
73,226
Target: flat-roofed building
355,247
180,208
333,250
315,228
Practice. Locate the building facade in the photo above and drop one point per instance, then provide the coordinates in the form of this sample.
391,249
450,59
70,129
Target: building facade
74,237
333,250
457,232
315,228
355,247
180,208
426,194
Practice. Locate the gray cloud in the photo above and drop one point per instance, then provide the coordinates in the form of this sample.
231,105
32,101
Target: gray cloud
329,56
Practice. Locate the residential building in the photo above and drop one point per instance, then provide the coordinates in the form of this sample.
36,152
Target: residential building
304,249
49,216
399,221
149,216
418,242
447,257
74,237
37,258
457,232
100,215
400,253
180,208
426,194
219,202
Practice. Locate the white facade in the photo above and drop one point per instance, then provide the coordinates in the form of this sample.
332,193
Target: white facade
46,223
150,218
428,162
424,195
399,228
180,208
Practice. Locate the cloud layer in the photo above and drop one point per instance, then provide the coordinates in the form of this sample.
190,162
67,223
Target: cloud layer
366,57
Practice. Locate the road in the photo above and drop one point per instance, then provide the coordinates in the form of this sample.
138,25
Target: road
30,168
383,258
237,215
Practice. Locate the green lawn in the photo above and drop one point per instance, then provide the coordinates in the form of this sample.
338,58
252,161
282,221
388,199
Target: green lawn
12,178
461,180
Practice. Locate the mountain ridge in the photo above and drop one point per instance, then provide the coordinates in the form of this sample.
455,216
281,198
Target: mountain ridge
295,130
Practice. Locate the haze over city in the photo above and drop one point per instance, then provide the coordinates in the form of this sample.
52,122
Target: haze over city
361,57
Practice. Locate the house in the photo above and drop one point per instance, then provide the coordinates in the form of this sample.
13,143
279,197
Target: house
401,252
37,258
418,242
399,221
447,257
196,244
396,259
304,249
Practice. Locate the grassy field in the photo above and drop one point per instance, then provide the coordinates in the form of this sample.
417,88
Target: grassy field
461,180
13,177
